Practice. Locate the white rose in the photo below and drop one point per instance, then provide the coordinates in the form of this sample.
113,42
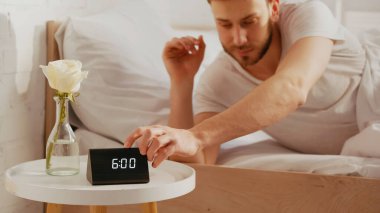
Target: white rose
64,75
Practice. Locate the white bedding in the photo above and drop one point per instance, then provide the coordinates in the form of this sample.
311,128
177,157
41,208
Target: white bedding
259,151
120,68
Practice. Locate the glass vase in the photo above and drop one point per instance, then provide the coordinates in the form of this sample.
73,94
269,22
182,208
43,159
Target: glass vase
62,149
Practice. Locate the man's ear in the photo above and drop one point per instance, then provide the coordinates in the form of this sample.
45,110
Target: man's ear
274,9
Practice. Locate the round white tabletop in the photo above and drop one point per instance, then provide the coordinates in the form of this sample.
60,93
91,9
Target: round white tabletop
29,180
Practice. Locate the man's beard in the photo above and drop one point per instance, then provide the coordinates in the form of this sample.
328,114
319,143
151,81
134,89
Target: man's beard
247,60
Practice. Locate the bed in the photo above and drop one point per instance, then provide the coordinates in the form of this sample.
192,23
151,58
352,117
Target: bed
349,184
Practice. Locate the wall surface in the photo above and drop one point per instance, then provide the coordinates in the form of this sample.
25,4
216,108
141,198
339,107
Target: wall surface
22,49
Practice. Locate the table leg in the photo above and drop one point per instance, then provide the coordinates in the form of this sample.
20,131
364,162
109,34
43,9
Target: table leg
149,207
53,208
98,209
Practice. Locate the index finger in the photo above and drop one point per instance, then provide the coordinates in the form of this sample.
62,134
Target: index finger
137,133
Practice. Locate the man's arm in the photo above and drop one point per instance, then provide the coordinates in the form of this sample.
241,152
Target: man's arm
268,103
182,67
181,117
272,100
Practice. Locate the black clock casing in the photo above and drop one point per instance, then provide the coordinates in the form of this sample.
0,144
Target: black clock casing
117,166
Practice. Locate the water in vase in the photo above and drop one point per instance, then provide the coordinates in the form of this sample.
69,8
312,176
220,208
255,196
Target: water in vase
64,159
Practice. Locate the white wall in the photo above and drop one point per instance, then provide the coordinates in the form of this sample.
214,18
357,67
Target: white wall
22,49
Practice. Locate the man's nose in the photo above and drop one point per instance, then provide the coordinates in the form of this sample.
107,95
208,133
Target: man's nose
239,36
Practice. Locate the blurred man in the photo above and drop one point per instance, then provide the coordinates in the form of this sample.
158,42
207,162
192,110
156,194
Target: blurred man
293,72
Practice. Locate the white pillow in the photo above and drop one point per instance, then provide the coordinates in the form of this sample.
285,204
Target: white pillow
127,85
194,14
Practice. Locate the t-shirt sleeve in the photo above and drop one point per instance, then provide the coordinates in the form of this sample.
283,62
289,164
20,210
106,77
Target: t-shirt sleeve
310,18
206,97
205,103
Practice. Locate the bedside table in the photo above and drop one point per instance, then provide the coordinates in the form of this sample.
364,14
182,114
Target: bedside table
29,180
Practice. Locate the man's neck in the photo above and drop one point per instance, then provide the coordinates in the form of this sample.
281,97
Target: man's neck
267,65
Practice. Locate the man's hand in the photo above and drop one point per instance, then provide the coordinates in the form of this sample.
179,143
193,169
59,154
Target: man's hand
160,142
183,57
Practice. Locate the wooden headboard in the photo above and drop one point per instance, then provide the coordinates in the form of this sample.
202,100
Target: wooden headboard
52,54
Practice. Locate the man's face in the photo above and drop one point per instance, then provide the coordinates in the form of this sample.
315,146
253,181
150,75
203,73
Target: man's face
244,28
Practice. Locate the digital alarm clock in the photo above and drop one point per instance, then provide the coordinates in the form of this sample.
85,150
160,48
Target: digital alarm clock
117,166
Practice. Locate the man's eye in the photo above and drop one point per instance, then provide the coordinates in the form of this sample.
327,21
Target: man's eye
225,25
246,23
249,22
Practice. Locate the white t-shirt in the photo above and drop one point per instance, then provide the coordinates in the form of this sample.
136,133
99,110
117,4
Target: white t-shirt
327,119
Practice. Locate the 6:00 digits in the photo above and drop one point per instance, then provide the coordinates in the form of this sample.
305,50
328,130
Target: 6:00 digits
123,163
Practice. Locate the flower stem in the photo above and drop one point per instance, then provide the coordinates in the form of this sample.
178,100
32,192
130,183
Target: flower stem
62,116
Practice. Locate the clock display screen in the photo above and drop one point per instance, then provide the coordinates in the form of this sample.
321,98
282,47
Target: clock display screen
114,166
123,163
